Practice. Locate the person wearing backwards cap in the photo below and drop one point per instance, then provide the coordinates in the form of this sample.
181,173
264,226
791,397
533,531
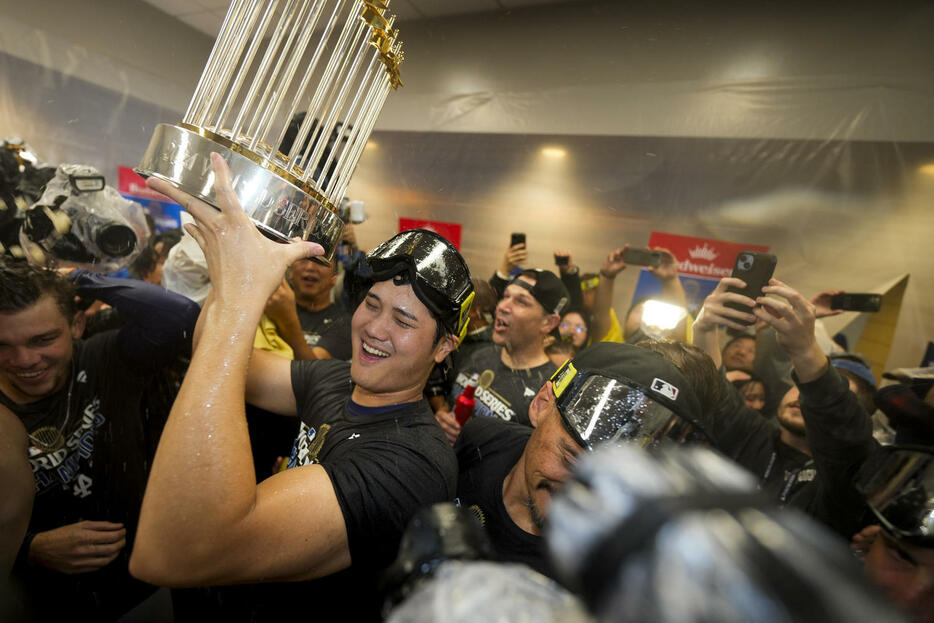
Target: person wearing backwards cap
368,454
514,367
610,392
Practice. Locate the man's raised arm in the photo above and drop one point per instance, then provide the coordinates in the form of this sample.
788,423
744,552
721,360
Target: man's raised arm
204,519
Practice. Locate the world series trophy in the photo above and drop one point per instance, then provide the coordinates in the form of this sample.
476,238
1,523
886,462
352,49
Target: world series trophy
288,109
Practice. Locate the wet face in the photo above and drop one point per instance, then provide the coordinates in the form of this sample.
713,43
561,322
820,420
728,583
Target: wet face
573,326
905,572
548,458
393,340
35,350
311,280
740,354
520,319
789,412
753,394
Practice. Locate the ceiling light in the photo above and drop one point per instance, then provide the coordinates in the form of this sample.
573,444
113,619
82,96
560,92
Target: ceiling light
927,169
554,152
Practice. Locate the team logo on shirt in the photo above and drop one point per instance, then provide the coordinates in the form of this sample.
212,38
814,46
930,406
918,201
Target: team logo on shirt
64,466
489,402
307,445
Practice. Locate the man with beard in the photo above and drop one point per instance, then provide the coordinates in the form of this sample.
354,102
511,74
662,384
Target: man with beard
807,458
512,370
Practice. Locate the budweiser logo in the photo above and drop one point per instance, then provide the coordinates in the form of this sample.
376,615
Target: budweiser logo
703,253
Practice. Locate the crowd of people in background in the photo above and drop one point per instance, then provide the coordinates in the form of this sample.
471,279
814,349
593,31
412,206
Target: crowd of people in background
254,425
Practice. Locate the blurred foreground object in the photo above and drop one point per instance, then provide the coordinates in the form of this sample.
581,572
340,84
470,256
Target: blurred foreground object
682,535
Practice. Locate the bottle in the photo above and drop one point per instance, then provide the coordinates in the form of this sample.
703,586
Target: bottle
463,408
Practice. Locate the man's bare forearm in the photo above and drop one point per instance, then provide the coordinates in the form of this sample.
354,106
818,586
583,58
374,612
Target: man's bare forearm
202,479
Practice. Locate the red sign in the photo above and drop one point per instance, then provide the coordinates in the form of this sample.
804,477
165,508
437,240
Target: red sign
130,183
451,231
702,257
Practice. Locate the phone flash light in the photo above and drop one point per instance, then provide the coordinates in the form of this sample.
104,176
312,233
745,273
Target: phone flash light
661,316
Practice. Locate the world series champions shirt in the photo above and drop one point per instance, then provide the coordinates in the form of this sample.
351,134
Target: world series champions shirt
502,391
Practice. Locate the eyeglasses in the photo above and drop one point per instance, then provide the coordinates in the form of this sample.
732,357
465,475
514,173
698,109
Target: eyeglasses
576,329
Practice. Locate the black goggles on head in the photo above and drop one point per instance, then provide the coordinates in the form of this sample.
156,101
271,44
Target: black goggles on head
437,272
898,484
596,409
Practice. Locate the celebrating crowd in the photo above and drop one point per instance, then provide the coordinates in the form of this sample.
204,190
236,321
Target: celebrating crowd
258,433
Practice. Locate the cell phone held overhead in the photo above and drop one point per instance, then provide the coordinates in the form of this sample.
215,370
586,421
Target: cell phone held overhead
859,302
642,257
517,238
755,269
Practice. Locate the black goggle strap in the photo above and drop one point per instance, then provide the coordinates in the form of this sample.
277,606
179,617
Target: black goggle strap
387,267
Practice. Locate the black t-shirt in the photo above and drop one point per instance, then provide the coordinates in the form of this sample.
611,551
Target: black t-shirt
384,464
99,474
487,449
328,328
501,391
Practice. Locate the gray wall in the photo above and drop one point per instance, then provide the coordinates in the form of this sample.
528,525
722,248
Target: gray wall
798,127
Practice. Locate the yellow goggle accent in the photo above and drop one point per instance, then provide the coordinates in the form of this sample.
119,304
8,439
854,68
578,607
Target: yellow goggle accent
463,320
590,284
562,378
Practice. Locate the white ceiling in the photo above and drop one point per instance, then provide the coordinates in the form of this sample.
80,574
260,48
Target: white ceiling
207,15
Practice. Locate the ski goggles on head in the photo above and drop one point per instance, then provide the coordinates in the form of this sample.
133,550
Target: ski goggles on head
898,484
597,408
437,272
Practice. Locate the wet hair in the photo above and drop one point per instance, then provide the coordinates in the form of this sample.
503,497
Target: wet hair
401,279
22,285
696,366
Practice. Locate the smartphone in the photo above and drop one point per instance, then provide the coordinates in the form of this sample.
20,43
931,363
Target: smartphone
755,269
517,238
850,301
562,260
642,257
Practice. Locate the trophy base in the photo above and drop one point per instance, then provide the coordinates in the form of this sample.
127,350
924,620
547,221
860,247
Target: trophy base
279,208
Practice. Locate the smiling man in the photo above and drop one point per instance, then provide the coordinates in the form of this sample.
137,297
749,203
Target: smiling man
88,430
368,454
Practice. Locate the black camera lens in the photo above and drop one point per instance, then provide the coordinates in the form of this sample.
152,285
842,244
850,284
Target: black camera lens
38,226
116,240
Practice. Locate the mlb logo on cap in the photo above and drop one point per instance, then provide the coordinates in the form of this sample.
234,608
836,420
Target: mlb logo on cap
665,388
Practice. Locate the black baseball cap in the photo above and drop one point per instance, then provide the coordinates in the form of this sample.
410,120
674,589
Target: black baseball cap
548,290
436,270
615,392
